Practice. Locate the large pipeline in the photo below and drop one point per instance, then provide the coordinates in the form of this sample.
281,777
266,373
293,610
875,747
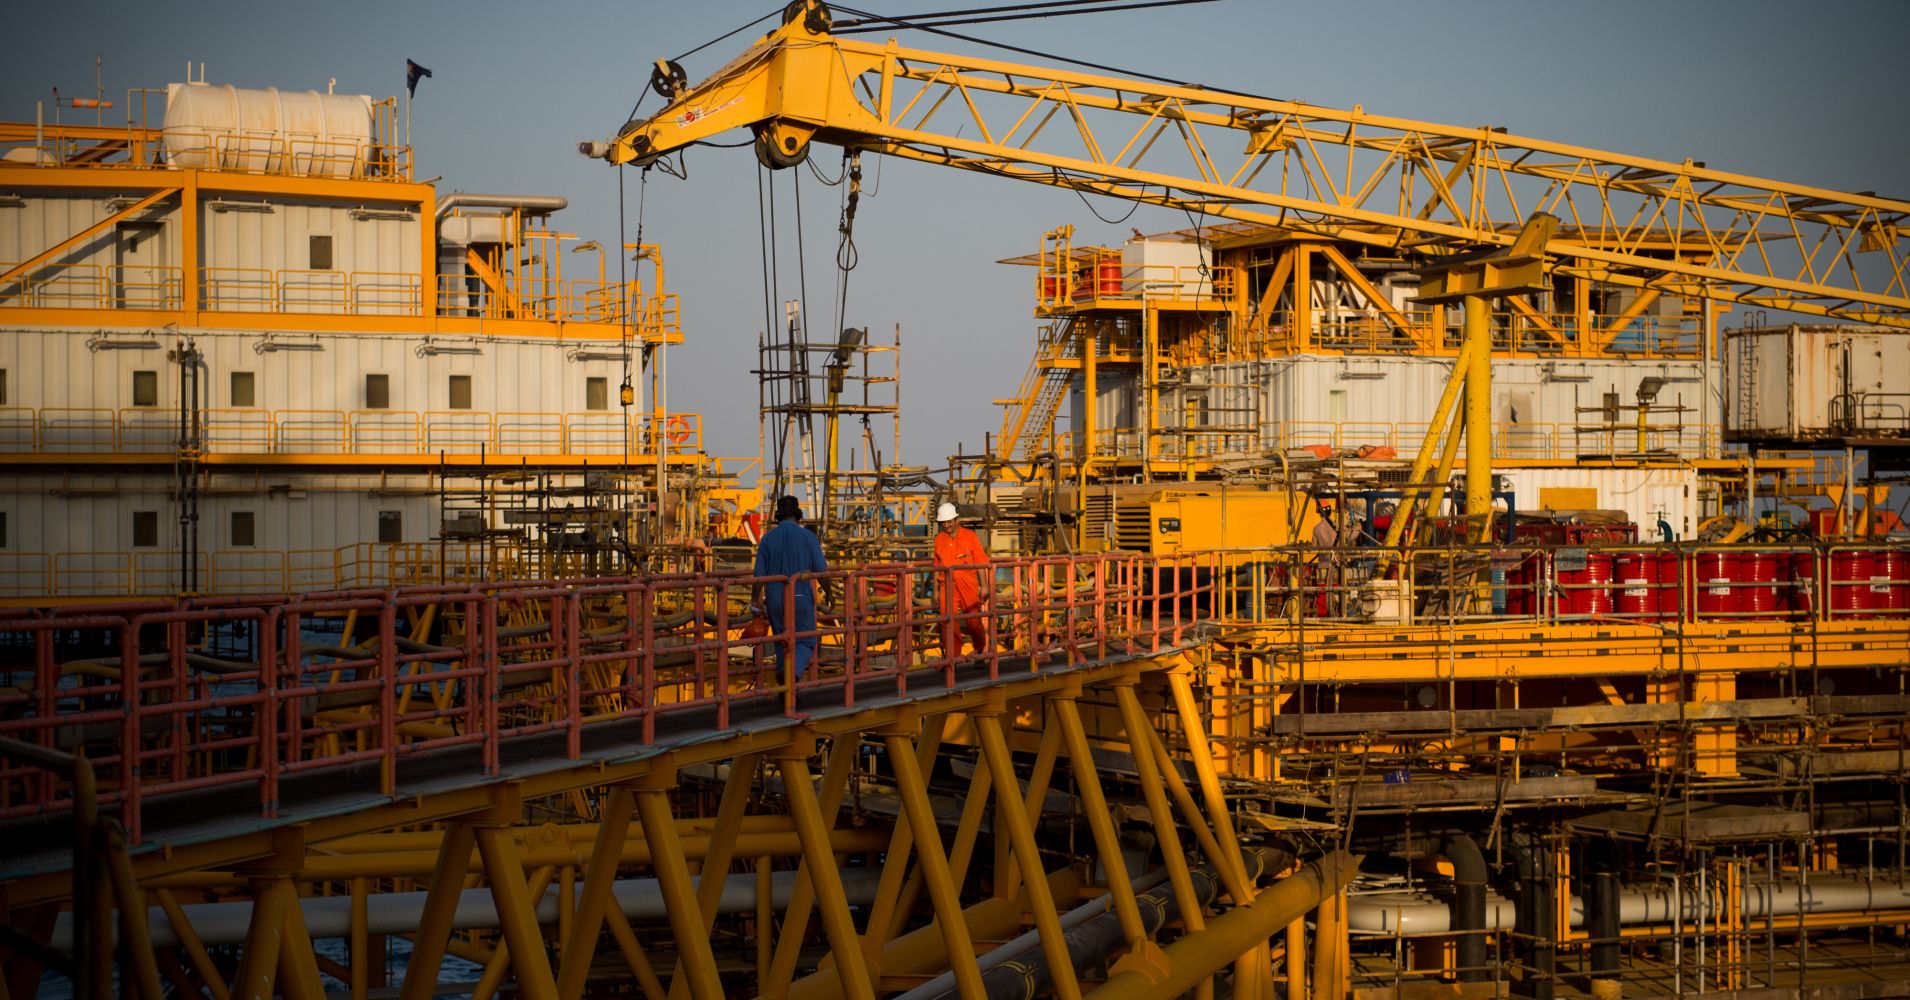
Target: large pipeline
1468,909
1826,892
1195,957
400,912
1537,922
1019,971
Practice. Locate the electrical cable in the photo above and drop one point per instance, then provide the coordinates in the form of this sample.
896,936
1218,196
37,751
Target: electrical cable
1131,209
729,34
930,20
977,10
1036,53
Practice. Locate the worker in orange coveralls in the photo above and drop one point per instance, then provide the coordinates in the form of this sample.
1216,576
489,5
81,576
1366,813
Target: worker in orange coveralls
961,589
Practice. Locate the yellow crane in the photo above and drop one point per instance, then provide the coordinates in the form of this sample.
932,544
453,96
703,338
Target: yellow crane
1488,210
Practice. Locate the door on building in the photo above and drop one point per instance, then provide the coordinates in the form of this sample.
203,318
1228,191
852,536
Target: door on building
141,279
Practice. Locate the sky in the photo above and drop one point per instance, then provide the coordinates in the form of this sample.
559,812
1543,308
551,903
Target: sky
1812,93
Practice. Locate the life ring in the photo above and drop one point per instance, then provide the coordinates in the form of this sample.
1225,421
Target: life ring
678,429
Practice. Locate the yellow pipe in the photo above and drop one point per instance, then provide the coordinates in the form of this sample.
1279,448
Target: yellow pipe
943,893
698,961
1296,959
580,945
440,906
1107,840
135,940
826,881
1009,811
516,913
1236,882
1197,955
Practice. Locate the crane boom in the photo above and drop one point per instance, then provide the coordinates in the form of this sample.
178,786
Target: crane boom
1414,187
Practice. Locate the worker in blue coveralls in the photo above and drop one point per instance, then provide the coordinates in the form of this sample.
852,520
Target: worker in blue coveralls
788,549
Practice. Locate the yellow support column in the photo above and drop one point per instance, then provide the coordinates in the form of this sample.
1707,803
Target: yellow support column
440,905
580,945
802,898
1478,352
1173,855
844,943
942,890
895,865
259,965
516,912
679,895
1010,812
1107,840
716,866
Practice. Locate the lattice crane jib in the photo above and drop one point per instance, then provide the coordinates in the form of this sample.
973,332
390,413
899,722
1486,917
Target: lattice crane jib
1681,228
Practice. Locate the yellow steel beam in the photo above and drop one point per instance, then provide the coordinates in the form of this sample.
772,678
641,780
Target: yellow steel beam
516,913
715,867
1198,955
960,853
499,963
633,955
440,906
1731,237
580,945
802,898
26,269
193,946
896,862
942,890
673,877
844,944
1008,876
1146,768
1010,812
1107,840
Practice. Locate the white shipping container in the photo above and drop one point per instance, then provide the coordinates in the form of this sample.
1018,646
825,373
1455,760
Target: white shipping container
1647,495
1803,383
1166,269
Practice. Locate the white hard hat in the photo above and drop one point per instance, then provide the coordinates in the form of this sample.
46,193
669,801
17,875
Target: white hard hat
946,512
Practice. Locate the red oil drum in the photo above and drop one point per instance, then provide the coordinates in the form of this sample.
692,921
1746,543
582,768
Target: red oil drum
1894,566
1647,585
1108,278
1758,572
1797,583
1857,589
1588,591
1716,583
1521,588
1050,287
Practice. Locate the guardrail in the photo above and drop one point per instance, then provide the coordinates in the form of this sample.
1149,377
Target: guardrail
1362,438
247,431
1659,585
160,715
329,292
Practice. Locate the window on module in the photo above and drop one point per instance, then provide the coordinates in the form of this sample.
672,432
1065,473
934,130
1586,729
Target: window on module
145,388
597,393
377,392
391,526
460,392
243,524
145,528
242,389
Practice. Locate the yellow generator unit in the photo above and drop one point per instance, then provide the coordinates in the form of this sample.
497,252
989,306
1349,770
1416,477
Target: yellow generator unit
1186,517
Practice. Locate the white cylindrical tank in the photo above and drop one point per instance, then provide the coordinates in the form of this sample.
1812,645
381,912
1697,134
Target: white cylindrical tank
267,131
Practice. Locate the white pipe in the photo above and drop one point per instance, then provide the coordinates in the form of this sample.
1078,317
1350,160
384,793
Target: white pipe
1828,892
399,912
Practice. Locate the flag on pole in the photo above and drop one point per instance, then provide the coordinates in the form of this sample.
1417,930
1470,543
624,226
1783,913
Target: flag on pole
412,72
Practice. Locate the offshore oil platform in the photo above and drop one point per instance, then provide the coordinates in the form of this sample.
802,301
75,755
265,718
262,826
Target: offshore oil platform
1454,565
